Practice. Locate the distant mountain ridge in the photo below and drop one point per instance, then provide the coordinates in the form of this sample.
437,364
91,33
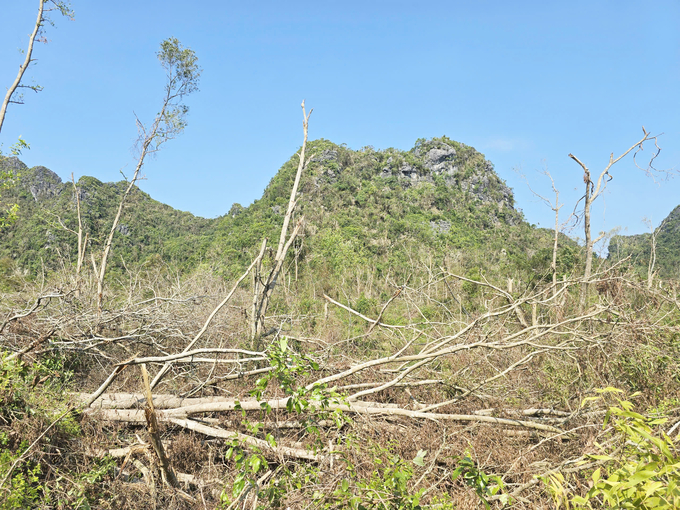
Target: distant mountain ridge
639,247
365,210
47,208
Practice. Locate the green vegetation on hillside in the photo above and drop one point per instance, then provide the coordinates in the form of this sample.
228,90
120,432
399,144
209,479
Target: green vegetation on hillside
639,248
384,211
149,231
367,210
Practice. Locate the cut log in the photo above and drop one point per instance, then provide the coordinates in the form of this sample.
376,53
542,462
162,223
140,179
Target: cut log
137,416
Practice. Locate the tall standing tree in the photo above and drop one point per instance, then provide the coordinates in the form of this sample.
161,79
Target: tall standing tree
182,76
594,190
8,211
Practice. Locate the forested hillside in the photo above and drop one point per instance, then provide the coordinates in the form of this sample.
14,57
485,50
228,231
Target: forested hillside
380,329
44,234
365,211
663,242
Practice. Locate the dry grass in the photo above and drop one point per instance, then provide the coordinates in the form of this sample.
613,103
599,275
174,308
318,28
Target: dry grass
629,342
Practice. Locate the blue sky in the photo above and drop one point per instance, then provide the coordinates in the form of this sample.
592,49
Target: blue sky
524,82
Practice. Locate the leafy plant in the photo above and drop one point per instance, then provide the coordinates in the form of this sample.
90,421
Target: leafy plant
313,404
640,469
8,211
387,488
484,485
24,488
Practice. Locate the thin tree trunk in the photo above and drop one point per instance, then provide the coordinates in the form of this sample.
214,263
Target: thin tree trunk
589,247
557,234
167,473
652,256
285,241
593,190
82,243
27,61
109,240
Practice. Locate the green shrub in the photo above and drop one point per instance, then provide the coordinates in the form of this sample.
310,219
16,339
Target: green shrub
640,469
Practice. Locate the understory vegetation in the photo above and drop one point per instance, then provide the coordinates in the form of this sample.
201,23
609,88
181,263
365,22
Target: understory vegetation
453,392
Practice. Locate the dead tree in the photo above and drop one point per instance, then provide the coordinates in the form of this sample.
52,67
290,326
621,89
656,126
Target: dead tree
652,255
82,243
558,226
594,190
263,287
43,9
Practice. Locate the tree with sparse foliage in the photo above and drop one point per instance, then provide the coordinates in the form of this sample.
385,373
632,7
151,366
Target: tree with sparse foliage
8,212
182,76
594,190
44,8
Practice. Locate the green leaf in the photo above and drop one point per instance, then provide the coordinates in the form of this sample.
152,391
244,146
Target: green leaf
239,484
609,389
652,487
418,461
638,477
596,475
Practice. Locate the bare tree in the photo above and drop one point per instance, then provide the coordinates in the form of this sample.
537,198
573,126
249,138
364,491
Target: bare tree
82,243
594,190
44,7
558,226
8,215
652,256
182,75
262,289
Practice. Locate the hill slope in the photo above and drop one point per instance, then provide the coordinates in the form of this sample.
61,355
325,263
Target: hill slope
441,203
47,207
639,247
388,210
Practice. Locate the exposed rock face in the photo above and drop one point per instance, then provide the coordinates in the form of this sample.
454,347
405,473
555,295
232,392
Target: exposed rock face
468,170
329,160
83,195
411,173
479,184
12,164
435,161
441,226
123,229
327,155
44,183
441,161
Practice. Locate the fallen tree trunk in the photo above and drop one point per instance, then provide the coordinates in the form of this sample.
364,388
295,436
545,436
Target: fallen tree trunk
169,401
264,446
137,415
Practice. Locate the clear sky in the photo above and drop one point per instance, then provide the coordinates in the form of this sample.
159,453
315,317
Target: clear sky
524,82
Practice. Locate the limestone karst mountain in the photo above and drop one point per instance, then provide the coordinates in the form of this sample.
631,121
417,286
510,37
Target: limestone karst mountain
368,209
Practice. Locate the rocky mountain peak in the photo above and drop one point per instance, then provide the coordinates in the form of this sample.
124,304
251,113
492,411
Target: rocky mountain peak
43,183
